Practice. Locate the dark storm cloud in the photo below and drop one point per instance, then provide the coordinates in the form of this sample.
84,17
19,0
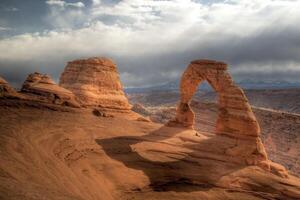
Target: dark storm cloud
263,56
153,43
17,77
27,17
270,49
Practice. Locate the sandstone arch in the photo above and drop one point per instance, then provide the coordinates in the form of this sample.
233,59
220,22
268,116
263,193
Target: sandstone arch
235,117
235,114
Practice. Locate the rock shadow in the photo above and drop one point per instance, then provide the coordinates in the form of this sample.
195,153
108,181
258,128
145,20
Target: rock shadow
186,174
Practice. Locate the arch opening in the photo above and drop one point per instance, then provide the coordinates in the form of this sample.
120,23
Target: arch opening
205,107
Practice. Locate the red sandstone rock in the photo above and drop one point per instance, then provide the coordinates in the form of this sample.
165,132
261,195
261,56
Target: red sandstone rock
2,81
95,82
235,114
235,117
6,91
41,87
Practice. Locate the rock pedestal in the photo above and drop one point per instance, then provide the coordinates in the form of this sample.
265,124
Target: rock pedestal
96,83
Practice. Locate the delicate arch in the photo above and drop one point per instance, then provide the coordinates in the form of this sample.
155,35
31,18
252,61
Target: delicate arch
235,115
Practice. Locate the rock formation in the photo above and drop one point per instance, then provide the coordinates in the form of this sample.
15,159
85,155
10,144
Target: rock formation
42,88
235,117
6,91
235,114
95,82
76,155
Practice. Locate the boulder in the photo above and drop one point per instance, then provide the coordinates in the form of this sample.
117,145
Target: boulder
42,88
95,82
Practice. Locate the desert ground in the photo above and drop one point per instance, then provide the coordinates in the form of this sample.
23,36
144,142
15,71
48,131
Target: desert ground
49,153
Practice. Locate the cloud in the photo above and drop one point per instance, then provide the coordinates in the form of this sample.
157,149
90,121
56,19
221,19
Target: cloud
96,2
11,9
77,4
152,41
5,28
62,3
61,18
56,3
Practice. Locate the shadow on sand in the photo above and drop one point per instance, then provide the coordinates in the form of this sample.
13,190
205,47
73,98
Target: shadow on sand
182,175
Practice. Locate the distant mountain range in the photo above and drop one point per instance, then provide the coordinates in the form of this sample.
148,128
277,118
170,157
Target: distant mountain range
245,84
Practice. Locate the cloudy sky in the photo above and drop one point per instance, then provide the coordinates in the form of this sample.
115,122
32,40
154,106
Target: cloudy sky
151,41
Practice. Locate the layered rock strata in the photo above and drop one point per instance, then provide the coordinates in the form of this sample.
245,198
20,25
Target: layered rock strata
6,91
42,88
235,117
95,82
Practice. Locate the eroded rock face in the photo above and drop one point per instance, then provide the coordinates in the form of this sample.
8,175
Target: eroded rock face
235,114
6,91
95,82
235,117
42,88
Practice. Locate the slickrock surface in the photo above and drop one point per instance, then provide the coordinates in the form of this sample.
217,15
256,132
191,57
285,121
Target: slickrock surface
235,116
280,131
41,87
6,91
95,82
52,155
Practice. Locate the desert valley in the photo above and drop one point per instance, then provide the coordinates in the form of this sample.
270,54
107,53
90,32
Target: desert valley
82,139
